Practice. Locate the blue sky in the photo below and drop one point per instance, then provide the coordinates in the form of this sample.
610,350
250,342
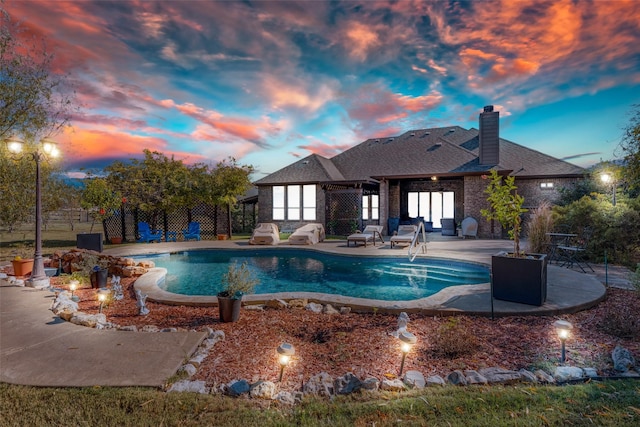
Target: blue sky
269,82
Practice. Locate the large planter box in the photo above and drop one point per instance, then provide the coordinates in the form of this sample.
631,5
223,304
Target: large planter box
91,241
522,280
22,267
229,309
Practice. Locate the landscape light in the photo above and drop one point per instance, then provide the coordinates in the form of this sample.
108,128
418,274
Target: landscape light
285,352
73,285
407,342
563,328
101,297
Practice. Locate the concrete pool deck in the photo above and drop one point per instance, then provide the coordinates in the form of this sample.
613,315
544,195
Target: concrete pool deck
568,291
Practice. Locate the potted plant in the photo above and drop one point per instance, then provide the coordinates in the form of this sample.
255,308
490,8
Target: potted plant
236,282
515,276
116,240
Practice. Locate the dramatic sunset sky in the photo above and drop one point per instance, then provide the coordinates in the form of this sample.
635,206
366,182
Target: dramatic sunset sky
269,82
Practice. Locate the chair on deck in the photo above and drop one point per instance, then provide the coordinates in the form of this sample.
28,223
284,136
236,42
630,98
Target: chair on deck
308,234
574,253
368,235
192,231
265,233
147,234
405,235
469,227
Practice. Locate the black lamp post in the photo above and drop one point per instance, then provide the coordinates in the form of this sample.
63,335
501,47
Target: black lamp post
45,149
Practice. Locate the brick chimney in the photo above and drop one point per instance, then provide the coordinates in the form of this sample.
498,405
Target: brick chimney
489,136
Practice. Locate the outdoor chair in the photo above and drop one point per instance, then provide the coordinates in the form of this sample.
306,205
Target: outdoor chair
192,231
265,233
308,234
405,235
147,234
574,252
469,227
367,235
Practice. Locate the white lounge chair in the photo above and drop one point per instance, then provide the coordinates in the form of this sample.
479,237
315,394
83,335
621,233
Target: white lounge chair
308,234
368,235
265,233
405,235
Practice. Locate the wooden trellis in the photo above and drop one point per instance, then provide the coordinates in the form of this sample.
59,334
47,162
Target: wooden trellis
344,211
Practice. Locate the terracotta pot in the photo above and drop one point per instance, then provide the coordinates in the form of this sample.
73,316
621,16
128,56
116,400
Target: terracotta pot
222,237
116,240
22,267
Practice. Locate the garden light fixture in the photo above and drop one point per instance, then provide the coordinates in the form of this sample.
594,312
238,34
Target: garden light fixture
562,328
102,297
285,352
407,342
44,150
73,285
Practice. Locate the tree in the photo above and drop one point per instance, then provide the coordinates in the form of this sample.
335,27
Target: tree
630,145
100,199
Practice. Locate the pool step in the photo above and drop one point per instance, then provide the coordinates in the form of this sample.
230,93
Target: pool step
442,274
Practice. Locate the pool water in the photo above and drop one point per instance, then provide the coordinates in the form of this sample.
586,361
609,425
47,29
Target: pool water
282,270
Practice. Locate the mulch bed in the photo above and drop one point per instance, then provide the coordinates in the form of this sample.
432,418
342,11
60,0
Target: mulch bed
362,343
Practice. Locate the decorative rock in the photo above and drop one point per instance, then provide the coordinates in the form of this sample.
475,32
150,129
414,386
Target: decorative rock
527,376
345,310
66,315
285,397
189,369
147,264
90,320
568,373
457,378
64,303
544,377
237,388
347,384
263,390
149,328
392,385
312,306
371,383
320,385
129,328
630,374
590,372
169,330
473,377
298,303
189,386
276,304
435,380
622,359
217,336
329,309
500,375
253,307
414,379
197,359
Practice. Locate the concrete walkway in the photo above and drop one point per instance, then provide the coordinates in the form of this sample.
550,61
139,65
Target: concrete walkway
40,349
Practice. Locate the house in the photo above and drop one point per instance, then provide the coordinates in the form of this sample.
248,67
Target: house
431,173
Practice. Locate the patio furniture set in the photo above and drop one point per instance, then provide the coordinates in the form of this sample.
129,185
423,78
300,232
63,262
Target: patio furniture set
147,234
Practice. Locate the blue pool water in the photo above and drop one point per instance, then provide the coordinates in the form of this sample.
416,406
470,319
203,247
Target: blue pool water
281,270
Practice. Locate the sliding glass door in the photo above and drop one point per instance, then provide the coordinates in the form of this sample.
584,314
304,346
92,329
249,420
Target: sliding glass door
432,205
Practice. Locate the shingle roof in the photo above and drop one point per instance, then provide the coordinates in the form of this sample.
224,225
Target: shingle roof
311,169
423,152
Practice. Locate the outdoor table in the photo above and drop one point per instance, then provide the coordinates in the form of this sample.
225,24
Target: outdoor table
558,239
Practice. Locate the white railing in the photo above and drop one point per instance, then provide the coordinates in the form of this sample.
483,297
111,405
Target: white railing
416,244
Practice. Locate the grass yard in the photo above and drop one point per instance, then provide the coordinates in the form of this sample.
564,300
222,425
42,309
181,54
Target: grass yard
611,403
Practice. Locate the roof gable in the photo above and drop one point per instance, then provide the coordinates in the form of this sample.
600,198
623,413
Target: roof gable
312,169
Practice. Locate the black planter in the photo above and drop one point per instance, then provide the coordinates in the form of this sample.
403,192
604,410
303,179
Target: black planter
99,278
522,280
229,308
91,241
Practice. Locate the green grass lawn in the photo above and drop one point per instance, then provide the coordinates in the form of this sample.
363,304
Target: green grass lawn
612,403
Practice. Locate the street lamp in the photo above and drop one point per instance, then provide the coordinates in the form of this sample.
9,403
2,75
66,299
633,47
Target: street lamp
606,179
46,149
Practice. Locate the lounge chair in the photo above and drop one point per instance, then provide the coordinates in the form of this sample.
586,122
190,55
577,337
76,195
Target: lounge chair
405,235
469,227
368,235
308,234
192,231
265,233
147,234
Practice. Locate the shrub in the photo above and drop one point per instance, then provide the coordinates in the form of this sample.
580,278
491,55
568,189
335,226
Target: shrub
635,278
453,339
539,225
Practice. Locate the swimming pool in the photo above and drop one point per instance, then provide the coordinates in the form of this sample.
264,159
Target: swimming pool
297,270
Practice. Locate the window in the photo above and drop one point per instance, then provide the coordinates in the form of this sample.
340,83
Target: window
371,207
431,205
291,202
546,185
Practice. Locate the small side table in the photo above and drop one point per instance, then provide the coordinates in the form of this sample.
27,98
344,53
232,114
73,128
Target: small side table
171,236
